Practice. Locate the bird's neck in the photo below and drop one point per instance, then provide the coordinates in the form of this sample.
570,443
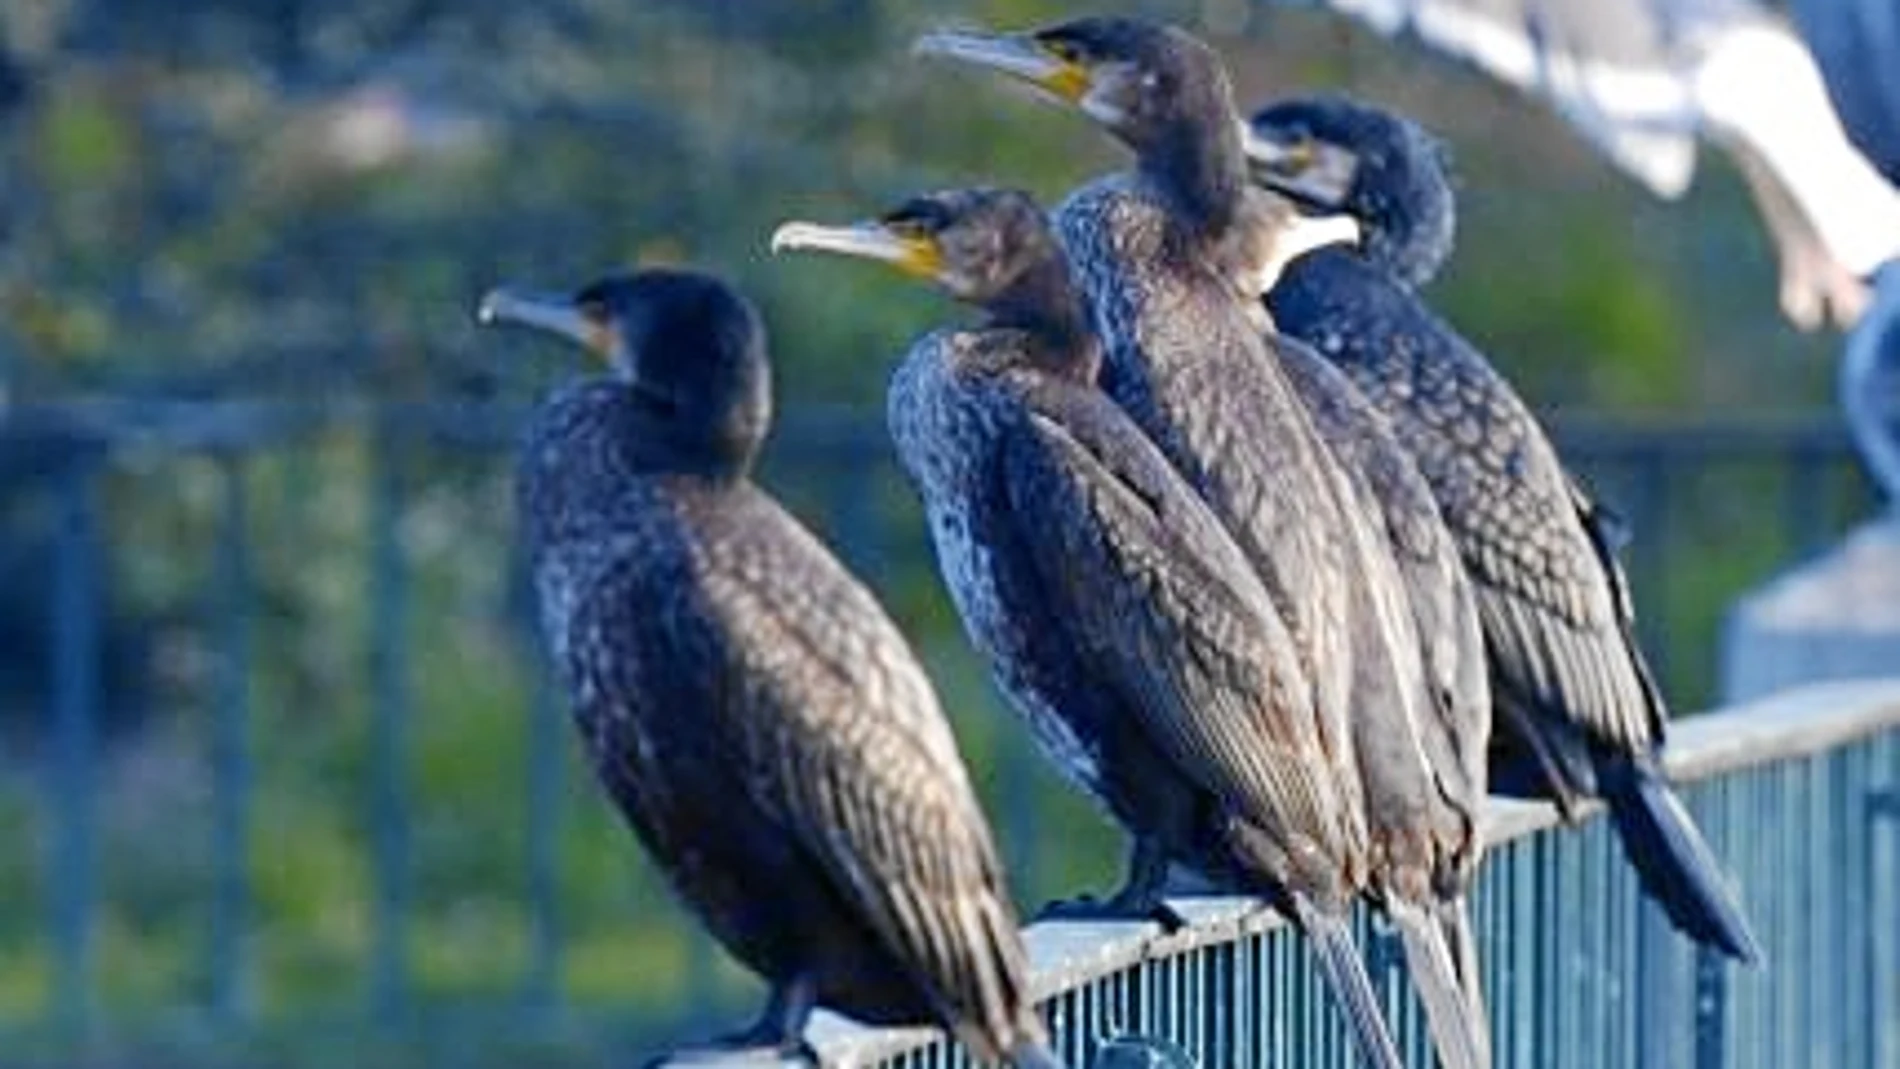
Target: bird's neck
605,432
1412,240
1046,307
713,431
1199,166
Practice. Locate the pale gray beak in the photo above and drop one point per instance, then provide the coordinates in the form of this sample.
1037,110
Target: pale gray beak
1018,55
554,313
1315,172
866,241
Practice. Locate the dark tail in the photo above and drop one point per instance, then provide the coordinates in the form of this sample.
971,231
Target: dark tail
1458,1036
1030,1054
1677,868
1345,974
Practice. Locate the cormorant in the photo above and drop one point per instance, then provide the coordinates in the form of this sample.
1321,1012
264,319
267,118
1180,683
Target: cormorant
1114,609
1572,690
760,722
1173,257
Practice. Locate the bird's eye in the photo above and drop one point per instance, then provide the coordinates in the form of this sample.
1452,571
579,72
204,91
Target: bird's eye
1063,49
1300,155
906,226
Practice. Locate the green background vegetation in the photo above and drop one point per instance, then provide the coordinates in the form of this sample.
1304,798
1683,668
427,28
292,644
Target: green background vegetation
299,201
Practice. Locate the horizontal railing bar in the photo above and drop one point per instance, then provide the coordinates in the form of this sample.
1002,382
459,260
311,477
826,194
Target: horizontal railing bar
189,426
1065,955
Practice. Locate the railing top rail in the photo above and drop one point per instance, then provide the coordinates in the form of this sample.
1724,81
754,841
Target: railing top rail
1067,954
196,425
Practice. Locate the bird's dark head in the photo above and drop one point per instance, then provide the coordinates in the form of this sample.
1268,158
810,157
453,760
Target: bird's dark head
689,349
1340,155
1157,89
988,247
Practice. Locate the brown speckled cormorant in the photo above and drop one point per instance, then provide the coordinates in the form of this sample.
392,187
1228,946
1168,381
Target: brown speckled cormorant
758,719
1115,610
1578,712
1172,257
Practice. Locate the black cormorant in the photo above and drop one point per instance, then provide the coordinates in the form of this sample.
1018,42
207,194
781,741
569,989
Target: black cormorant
1172,257
1570,684
758,719
1115,610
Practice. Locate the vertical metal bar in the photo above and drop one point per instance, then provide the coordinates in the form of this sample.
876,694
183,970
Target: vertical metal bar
1792,857
1805,484
1817,876
1651,558
1880,956
389,699
544,821
75,685
1651,1012
854,518
1711,1007
1849,786
231,768
544,781
1755,1016
1530,991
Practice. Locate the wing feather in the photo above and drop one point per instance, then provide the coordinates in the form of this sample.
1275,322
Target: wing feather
820,711
1171,611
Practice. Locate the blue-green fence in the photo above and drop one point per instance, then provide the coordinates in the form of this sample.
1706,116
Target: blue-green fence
286,574
1800,793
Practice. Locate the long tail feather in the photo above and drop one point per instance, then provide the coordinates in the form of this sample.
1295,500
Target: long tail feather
1454,919
1458,1036
1345,974
1677,868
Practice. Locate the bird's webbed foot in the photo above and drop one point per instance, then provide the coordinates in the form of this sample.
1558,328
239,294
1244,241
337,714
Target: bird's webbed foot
1113,908
777,1038
1140,897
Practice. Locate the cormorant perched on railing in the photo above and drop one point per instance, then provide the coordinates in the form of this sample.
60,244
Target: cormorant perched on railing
1573,693
1172,257
1114,609
1812,120
758,719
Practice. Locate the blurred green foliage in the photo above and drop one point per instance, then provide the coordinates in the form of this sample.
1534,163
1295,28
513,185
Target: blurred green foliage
302,199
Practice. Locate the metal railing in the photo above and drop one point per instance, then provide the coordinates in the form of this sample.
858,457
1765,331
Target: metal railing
1801,795
317,578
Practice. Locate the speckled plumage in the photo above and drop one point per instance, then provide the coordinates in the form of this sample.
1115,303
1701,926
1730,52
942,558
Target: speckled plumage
1561,652
1112,607
1188,362
759,720
1115,609
1441,597
1577,710
1157,253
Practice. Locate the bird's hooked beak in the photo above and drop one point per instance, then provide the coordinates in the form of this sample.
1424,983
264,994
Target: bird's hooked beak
1019,55
912,254
1316,173
551,312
